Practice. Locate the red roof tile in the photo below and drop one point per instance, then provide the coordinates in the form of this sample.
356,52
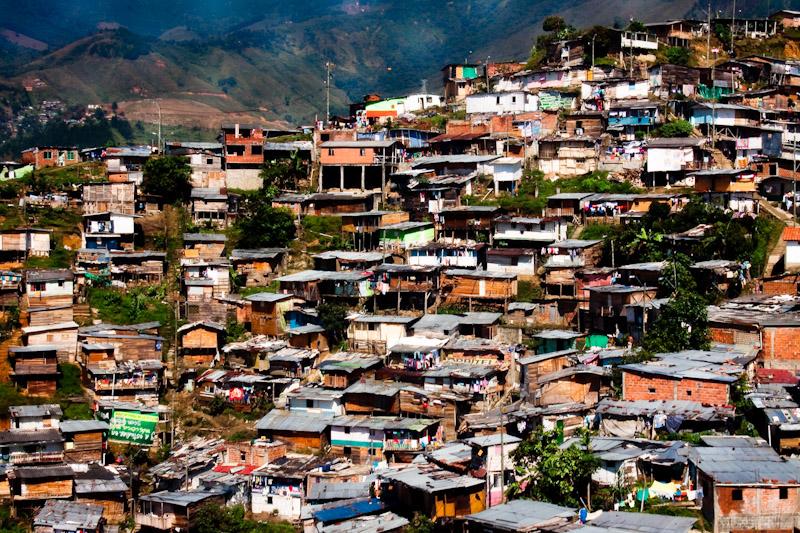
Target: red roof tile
791,233
776,375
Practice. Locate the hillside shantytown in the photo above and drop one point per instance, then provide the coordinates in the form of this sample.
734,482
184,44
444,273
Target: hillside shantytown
560,294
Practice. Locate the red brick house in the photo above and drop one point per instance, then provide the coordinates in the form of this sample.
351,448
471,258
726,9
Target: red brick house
703,376
769,323
50,156
747,488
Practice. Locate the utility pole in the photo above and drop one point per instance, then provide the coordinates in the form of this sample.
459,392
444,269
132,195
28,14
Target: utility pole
328,69
158,107
794,175
708,36
486,68
713,102
593,38
733,27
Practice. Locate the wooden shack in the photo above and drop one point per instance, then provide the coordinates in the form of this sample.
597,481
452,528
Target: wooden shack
42,316
31,485
59,516
267,313
61,334
564,260
137,268
257,267
532,367
373,397
434,492
84,440
467,222
300,431
204,245
575,384
19,243
200,343
343,369
109,197
446,406
104,486
52,287
174,510
35,369
466,285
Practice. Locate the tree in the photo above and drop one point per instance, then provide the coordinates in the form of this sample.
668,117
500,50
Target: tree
260,225
677,55
636,25
168,177
282,174
547,472
553,24
682,324
676,128
420,524
213,518
677,276
334,320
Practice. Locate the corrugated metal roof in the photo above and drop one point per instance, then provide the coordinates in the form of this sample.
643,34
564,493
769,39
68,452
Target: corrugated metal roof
431,478
745,466
277,420
368,524
62,515
522,515
325,490
643,522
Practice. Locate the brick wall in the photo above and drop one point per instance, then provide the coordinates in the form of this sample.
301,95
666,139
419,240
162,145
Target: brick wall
760,509
779,286
721,334
781,347
642,387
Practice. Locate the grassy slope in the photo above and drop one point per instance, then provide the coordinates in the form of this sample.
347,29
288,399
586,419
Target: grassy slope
277,66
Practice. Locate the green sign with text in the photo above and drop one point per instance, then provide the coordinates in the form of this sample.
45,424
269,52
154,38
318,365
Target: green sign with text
133,427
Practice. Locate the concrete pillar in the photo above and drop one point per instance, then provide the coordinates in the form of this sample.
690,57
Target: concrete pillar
363,177
341,177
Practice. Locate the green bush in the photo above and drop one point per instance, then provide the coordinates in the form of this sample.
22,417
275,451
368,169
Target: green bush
676,128
69,380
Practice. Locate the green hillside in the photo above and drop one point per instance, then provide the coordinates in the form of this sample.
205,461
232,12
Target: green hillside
267,61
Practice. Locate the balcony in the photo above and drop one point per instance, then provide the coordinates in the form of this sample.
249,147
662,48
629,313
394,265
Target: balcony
122,384
163,522
402,445
24,458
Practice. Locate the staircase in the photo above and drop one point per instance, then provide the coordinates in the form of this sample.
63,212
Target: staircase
82,313
720,161
5,365
775,255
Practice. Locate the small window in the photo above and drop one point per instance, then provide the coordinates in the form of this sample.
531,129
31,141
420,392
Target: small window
256,149
347,450
513,99
243,456
362,152
70,156
736,495
498,100
309,404
651,390
688,393
373,451
47,155
783,493
209,161
269,500
347,430
330,151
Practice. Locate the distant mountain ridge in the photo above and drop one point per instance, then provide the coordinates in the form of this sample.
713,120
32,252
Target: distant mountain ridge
207,59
